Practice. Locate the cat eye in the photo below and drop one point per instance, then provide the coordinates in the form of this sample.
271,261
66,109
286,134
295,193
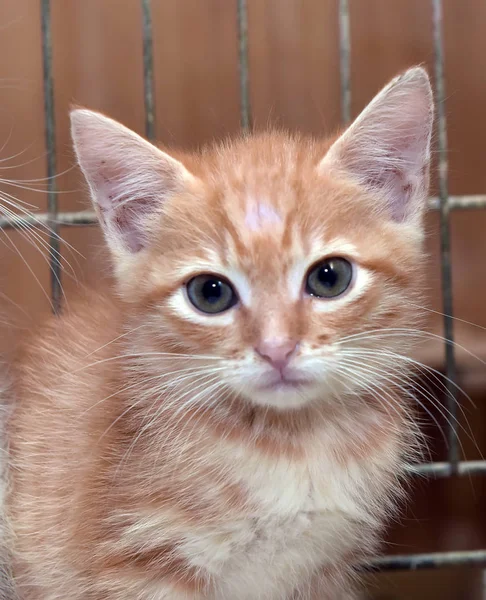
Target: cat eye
211,294
329,278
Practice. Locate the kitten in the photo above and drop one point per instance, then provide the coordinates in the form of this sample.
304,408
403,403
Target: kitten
6,589
231,423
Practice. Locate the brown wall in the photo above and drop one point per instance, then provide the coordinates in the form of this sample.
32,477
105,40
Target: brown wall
294,78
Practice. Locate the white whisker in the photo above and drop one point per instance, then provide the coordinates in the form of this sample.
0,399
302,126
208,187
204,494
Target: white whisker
391,369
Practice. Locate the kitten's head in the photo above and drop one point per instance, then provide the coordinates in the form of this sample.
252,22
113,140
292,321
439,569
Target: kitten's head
260,258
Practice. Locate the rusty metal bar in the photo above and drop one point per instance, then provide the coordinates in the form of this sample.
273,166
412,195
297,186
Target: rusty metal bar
459,202
445,469
148,70
50,138
345,60
87,217
432,560
43,220
445,238
245,106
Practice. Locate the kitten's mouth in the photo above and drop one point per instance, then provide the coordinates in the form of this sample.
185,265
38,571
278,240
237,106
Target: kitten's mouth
285,383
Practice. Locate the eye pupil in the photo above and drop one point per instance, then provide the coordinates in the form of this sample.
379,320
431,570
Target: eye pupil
211,291
327,276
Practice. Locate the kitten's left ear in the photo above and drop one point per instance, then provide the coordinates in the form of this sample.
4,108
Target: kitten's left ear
387,148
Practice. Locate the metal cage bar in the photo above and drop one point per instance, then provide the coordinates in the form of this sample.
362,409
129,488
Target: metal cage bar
429,560
345,60
148,70
50,137
245,106
466,468
445,237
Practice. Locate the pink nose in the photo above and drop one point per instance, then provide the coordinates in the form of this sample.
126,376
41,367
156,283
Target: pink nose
277,352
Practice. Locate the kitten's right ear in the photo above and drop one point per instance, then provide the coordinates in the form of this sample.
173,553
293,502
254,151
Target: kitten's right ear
129,179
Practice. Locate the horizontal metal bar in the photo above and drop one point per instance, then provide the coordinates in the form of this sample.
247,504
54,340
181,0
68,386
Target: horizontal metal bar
459,202
42,220
432,560
88,217
445,469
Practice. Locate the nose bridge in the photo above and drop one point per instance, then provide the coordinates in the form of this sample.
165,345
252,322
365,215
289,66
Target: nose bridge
278,322
277,333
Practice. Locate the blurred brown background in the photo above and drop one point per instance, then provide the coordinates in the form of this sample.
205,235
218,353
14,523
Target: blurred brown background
294,82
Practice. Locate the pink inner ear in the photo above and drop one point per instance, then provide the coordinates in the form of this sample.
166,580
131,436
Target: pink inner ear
129,219
394,182
399,184
125,216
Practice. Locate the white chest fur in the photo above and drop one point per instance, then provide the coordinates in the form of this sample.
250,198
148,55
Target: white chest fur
305,514
299,514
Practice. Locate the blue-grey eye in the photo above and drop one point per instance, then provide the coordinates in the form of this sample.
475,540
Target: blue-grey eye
329,278
211,294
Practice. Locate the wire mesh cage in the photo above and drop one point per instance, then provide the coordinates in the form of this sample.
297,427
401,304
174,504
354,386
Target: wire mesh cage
55,221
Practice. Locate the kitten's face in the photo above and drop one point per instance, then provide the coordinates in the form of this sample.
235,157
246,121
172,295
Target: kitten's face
258,260
269,266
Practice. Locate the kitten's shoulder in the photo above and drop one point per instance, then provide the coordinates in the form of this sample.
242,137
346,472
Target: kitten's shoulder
84,325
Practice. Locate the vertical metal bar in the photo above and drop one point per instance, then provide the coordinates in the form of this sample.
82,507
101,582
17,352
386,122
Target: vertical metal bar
50,138
345,60
445,241
245,108
148,70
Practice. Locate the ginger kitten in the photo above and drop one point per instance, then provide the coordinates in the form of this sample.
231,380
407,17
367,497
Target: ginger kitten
231,423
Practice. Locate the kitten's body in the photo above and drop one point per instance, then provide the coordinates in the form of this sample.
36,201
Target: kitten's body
6,585
256,501
151,460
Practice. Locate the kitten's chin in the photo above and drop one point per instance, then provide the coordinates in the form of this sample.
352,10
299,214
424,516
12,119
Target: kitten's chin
285,396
